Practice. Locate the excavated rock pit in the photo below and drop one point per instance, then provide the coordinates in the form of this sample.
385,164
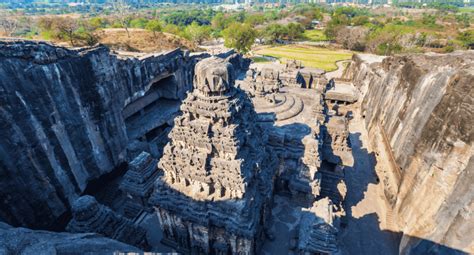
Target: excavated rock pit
390,172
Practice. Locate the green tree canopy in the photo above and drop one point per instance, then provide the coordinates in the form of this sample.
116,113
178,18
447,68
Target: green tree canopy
197,33
295,30
154,26
239,36
275,32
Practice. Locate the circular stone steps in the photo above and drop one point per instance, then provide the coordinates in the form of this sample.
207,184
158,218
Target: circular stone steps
296,109
289,107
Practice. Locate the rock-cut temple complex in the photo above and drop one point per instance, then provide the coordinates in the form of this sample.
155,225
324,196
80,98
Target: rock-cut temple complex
216,192
196,153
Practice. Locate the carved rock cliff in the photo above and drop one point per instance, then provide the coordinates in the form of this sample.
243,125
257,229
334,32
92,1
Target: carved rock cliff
419,112
63,118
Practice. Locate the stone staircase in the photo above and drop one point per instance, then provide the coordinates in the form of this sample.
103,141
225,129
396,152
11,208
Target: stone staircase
289,107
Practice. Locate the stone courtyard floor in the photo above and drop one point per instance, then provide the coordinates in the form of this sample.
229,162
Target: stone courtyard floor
365,231
365,201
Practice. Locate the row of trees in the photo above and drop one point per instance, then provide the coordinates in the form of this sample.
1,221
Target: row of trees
358,30
354,28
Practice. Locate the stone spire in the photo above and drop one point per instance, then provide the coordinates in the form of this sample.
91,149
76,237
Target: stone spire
218,177
212,154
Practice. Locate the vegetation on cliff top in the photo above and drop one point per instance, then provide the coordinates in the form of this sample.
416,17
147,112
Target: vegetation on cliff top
380,31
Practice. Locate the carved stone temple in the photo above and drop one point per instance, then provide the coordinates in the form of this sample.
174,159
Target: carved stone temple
318,229
137,184
216,193
89,216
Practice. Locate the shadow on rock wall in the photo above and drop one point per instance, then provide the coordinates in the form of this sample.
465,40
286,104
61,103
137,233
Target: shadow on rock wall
362,234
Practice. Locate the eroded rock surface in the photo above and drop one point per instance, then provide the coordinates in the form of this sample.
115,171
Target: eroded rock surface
70,116
419,112
27,241
91,217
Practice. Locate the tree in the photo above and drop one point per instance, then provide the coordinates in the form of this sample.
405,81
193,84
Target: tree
295,30
221,21
255,19
197,33
276,32
428,20
8,23
240,37
98,22
154,26
121,8
337,22
66,29
86,33
353,38
172,29
360,20
463,19
138,22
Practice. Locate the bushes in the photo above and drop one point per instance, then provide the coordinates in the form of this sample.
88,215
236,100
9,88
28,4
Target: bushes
154,26
76,32
467,38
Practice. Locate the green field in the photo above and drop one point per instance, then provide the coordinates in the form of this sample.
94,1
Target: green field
315,35
311,56
466,9
259,59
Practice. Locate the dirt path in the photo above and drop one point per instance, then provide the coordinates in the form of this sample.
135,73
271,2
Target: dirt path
340,70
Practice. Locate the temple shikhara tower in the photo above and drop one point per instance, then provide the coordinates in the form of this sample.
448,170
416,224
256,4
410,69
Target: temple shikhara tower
216,192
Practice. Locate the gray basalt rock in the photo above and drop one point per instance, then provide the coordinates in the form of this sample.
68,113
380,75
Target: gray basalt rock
91,217
62,121
263,83
318,229
26,241
419,112
216,192
137,184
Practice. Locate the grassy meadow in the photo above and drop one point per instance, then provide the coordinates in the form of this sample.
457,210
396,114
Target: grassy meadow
315,35
311,56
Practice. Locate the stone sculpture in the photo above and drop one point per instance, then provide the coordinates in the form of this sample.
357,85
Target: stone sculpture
264,83
291,76
216,192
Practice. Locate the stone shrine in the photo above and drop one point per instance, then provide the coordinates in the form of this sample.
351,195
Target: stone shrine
90,216
337,146
263,83
216,193
138,183
318,231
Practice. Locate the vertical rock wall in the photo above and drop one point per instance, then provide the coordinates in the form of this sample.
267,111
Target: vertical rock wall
419,113
61,121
